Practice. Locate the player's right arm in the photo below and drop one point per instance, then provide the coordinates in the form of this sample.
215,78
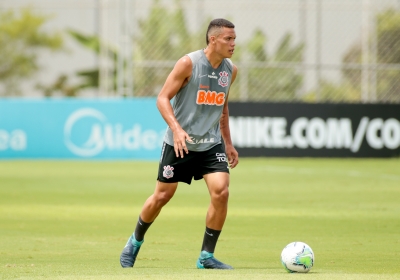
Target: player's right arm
178,78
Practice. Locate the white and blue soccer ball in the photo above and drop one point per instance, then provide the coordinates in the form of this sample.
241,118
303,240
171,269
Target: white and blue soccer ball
297,257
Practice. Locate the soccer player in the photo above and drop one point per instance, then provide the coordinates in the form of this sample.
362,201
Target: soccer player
197,142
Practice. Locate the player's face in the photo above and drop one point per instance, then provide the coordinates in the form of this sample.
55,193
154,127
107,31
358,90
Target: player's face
226,42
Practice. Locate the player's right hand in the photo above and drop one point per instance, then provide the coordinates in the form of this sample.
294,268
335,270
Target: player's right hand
180,138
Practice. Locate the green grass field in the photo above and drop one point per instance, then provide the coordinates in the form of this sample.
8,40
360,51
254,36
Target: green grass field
71,219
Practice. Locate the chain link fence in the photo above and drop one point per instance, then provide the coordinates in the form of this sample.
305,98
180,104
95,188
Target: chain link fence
286,50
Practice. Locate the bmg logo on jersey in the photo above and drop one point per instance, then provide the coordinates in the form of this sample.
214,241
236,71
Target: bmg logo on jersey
221,157
210,98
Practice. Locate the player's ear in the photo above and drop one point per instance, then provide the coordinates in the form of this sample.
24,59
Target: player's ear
212,39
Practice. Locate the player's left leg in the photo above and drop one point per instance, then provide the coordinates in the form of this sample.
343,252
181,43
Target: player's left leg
218,187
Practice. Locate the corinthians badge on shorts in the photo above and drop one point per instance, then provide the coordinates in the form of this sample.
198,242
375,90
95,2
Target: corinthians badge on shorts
168,173
223,79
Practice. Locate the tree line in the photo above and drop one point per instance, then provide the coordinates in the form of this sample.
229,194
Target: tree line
164,36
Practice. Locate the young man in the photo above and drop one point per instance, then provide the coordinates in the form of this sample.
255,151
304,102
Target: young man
193,147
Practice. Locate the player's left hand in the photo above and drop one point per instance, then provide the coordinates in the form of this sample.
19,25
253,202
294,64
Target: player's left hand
233,156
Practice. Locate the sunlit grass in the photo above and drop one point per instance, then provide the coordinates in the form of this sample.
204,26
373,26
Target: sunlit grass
71,219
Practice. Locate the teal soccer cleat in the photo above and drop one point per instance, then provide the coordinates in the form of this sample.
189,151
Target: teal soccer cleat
207,261
130,252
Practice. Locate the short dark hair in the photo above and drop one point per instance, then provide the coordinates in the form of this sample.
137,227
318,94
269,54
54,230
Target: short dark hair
218,23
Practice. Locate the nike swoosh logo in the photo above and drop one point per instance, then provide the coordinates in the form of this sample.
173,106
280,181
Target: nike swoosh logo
201,76
210,234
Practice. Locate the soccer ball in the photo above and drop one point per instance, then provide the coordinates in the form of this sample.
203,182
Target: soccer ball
297,257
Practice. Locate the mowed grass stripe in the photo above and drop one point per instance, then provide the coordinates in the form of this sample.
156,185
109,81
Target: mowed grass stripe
70,220
74,212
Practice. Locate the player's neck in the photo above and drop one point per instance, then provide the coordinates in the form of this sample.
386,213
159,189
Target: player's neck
214,58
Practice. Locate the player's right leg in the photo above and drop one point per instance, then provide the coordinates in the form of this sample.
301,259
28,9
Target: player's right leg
151,208
171,170
161,196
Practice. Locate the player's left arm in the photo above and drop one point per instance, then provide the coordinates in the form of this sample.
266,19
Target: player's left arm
231,153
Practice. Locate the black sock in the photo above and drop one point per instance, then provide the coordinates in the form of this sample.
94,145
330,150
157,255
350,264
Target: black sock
210,240
141,228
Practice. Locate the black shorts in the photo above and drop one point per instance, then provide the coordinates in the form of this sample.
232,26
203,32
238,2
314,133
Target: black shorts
174,169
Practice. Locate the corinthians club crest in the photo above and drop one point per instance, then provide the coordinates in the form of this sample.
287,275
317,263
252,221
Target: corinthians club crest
168,173
223,79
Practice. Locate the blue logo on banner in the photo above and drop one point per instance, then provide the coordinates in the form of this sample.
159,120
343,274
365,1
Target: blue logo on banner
126,128
99,134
